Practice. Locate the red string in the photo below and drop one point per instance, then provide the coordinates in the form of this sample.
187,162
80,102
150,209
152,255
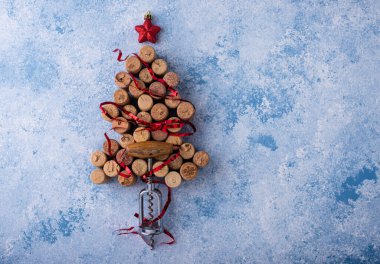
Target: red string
109,143
130,230
120,55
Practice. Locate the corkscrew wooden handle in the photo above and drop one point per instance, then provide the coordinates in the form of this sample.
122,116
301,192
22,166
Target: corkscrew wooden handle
149,149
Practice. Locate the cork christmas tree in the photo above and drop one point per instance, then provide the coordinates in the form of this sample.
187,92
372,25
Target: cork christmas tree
154,123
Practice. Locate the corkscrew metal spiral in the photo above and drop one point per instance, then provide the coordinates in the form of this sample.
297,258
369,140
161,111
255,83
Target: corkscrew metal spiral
154,200
150,204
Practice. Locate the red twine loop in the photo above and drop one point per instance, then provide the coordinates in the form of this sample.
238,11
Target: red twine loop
131,230
120,55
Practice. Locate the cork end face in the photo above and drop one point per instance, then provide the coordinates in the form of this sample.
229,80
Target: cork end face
163,171
128,109
176,164
125,140
172,79
174,140
185,110
189,171
112,149
98,176
111,110
201,159
111,168
122,79
159,112
173,179
147,54
141,134
159,67
123,158
135,89
133,64
139,167
187,150
120,125
98,158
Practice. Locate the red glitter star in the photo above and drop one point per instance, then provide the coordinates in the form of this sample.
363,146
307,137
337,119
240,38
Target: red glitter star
147,31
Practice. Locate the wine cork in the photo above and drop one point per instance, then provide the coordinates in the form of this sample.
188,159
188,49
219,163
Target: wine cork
171,78
126,139
127,181
121,97
144,116
98,176
188,171
174,130
114,147
120,125
112,110
176,164
157,89
159,112
111,168
130,108
173,179
98,158
133,64
162,157
139,167
134,91
141,134
147,53
185,110
159,135
201,159
173,102
174,140
187,150
145,102
163,171
145,76
123,158
159,67
122,79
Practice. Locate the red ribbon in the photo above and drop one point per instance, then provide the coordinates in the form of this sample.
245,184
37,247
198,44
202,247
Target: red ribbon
130,230
120,55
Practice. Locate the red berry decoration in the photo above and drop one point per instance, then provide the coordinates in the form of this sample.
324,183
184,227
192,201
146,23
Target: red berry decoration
147,31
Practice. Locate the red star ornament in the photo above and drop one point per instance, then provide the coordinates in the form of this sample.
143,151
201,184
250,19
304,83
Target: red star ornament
147,31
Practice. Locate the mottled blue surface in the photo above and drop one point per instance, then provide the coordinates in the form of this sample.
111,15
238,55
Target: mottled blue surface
287,96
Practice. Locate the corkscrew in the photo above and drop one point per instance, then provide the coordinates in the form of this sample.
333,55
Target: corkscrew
154,198
150,195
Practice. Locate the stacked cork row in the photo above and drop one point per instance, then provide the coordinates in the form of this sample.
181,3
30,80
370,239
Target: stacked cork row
150,107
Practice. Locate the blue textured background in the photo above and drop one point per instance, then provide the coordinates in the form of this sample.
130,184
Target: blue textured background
287,97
